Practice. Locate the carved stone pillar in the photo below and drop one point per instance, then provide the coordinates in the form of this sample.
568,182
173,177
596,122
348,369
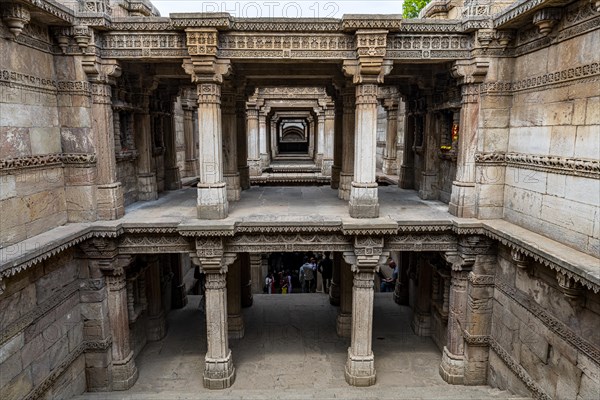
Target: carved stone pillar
263,140
328,139
179,297
109,193
390,166
311,137
336,169
348,122
242,141
334,290
480,299
364,202
470,75
157,323
421,321
212,193
429,188
124,370
320,145
344,317
407,169
147,183
360,365
219,372
401,289
257,275
235,321
246,279
273,138
253,142
172,177
230,159
189,104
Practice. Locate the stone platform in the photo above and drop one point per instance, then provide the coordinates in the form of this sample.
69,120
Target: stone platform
291,351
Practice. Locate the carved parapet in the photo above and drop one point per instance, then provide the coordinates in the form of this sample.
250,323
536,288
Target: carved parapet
546,18
15,16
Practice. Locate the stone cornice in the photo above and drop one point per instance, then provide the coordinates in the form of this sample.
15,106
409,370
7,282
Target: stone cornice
546,163
522,11
413,236
52,8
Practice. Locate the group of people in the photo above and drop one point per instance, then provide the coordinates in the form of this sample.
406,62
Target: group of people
285,281
306,278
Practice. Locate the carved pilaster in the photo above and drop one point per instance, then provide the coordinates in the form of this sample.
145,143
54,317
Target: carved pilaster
469,74
360,365
230,158
348,123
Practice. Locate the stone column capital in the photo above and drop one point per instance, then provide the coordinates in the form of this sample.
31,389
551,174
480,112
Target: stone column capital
470,71
207,69
101,70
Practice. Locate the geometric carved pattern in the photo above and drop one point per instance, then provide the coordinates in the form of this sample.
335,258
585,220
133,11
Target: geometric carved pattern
288,242
424,242
428,46
272,45
154,244
44,160
151,44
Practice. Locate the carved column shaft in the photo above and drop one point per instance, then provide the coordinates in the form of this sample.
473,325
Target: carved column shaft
219,372
235,321
157,325
452,367
390,166
328,139
344,318
470,75
147,184
242,143
110,204
124,372
406,180
191,163
263,141
360,366
256,272
212,194
348,123
334,290
230,159
364,201
172,177
336,169
253,143
320,139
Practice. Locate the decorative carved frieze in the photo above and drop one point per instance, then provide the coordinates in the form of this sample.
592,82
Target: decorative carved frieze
288,242
298,45
518,370
47,160
428,46
551,322
154,244
424,242
546,163
302,25
144,44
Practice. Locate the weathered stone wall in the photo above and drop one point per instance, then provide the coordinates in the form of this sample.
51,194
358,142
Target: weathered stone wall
41,348
551,341
558,120
32,193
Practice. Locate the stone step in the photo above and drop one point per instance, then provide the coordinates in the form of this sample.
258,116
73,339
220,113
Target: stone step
443,392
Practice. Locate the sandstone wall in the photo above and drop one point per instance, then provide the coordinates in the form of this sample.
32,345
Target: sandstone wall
41,348
561,121
538,331
32,194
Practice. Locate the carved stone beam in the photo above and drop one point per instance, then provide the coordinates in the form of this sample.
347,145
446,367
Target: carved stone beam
203,65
